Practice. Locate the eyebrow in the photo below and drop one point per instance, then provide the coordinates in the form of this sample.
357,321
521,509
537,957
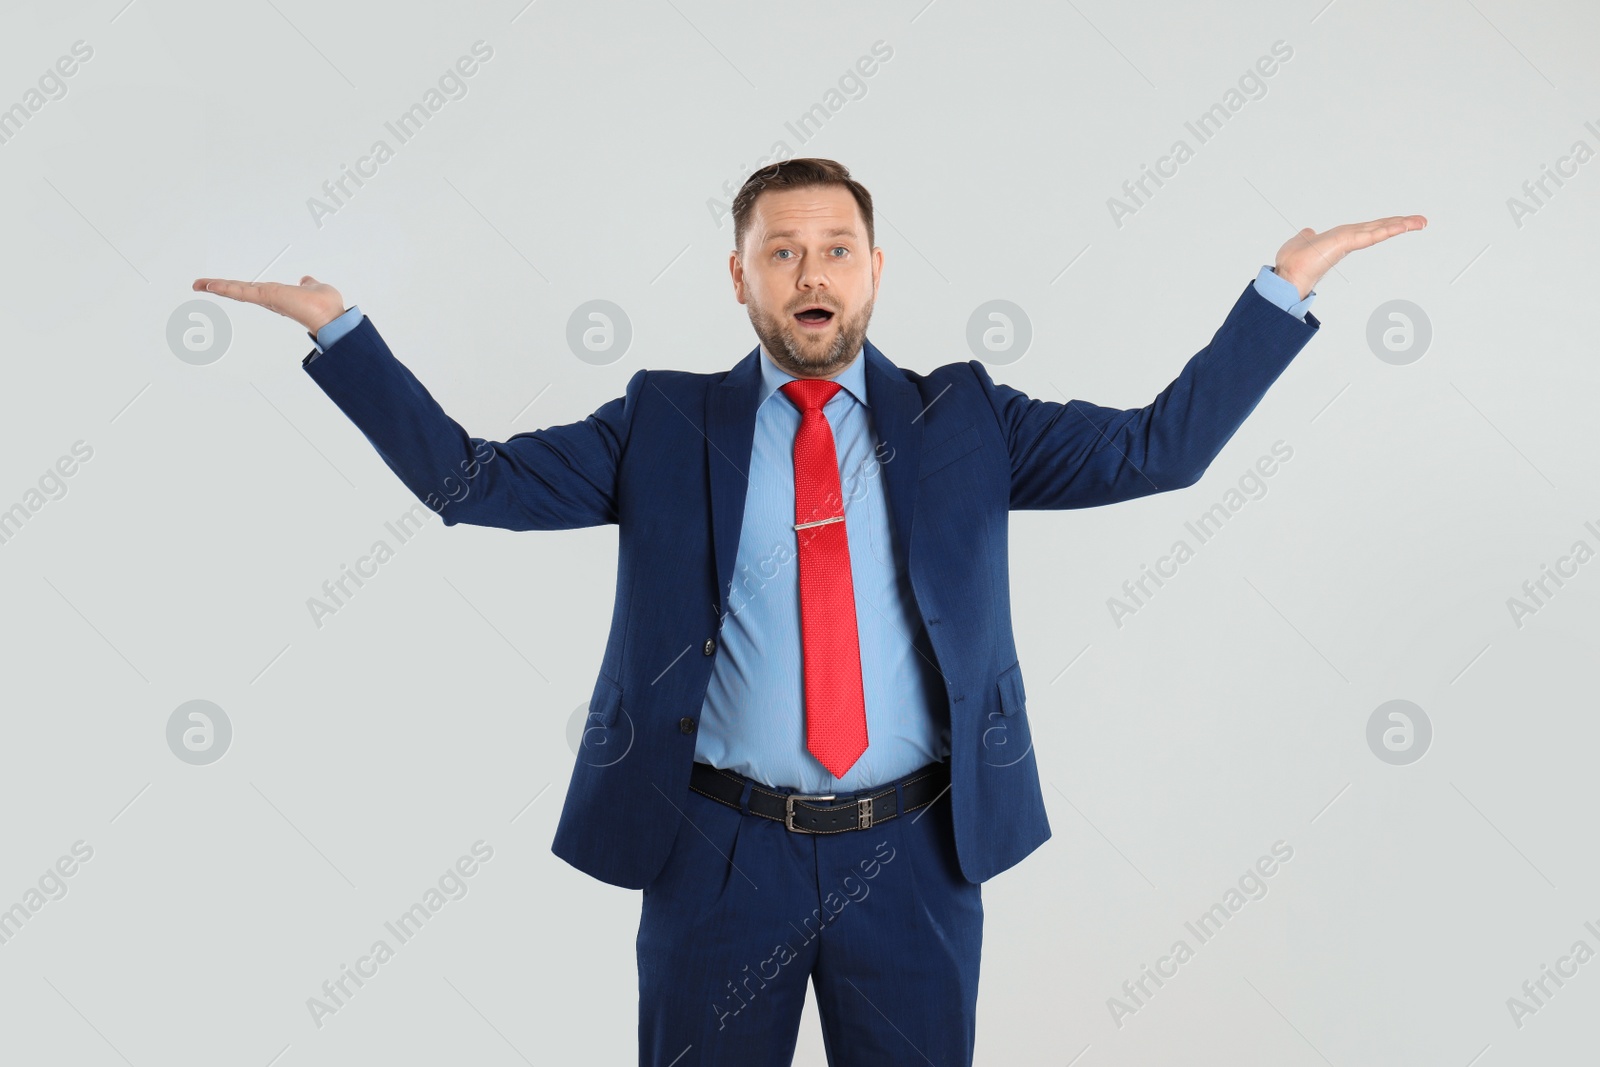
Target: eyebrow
837,231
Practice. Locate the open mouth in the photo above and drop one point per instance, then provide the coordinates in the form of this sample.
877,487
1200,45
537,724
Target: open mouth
814,317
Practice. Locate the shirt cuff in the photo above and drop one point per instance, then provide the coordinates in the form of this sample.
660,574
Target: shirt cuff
1283,293
325,337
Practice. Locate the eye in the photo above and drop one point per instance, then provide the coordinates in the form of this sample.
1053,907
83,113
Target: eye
840,248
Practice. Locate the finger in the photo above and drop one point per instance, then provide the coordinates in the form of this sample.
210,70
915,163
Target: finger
1325,245
1321,244
1394,224
1307,237
1382,229
227,287
247,292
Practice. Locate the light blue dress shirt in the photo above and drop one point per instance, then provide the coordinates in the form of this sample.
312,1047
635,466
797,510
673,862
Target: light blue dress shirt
752,720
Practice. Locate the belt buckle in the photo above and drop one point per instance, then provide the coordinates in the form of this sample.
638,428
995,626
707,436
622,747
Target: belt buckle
788,808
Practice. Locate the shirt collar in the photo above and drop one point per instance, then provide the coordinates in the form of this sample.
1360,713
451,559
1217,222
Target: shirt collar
853,378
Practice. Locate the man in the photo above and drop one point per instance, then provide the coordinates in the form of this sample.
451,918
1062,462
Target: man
811,770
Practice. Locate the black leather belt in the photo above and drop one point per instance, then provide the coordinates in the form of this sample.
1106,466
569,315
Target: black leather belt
824,813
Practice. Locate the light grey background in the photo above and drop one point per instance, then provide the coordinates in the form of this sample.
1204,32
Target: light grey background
432,710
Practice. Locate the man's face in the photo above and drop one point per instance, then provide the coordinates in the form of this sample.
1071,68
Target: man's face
807,248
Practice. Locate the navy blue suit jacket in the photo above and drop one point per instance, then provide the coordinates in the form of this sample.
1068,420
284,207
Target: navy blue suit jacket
668,463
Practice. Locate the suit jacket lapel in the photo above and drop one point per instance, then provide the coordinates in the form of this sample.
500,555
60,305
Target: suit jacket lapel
730,434
896,408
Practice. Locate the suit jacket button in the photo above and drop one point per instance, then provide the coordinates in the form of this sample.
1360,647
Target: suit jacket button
686,725
709,647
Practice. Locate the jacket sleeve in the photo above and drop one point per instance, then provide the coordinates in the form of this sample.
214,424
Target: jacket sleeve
1081,455
557,478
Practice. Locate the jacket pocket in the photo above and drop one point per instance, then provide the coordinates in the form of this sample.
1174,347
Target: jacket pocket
949,450
1006,739
1012,695
605,702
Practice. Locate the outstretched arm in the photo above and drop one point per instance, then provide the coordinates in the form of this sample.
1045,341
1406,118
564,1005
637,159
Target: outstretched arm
1083,455
557,478
1080,455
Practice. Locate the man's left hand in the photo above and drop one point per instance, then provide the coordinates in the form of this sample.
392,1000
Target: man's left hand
1308,255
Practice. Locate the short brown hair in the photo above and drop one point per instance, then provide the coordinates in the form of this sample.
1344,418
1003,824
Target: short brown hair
797,174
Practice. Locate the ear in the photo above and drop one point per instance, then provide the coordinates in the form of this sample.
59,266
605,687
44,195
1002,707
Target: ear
736,270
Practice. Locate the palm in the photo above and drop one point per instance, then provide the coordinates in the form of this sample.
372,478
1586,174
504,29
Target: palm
312,304
1308,255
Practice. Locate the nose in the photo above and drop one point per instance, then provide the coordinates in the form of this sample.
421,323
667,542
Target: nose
812,278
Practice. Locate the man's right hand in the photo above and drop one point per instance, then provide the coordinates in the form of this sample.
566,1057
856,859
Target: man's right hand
312,304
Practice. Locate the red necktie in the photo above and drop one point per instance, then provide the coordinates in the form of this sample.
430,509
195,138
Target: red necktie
836,716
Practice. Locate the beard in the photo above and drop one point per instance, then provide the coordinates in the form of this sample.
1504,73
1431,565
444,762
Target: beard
810,355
